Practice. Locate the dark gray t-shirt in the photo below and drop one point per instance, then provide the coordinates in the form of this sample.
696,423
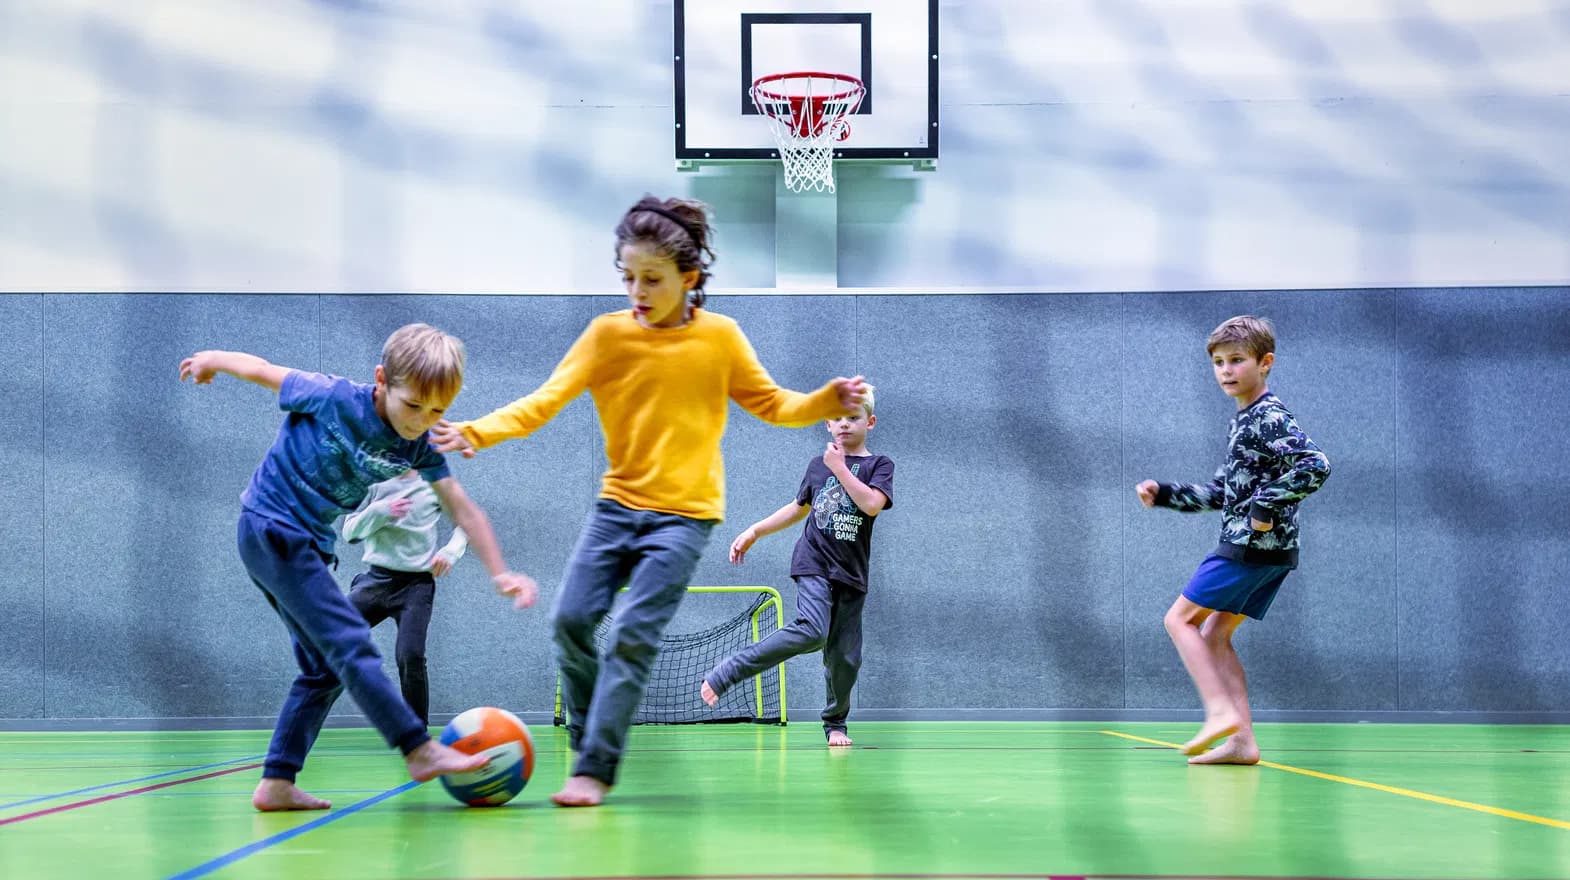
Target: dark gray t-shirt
836,539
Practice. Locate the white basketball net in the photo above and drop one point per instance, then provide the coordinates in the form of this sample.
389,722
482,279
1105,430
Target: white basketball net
806,112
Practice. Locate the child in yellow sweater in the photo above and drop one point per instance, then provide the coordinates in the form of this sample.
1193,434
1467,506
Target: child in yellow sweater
661,373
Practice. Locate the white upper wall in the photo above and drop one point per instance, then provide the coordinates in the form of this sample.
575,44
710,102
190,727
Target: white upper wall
221,145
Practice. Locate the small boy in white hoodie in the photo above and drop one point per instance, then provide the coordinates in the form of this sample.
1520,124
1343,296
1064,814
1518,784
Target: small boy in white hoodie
397,523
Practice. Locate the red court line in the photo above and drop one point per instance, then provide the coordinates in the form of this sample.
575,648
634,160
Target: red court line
136,766
112,797
954,875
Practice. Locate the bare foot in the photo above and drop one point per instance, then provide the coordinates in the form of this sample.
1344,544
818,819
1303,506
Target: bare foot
581,791
1233,751
838,738
709,696
432,759
1214,729
272,795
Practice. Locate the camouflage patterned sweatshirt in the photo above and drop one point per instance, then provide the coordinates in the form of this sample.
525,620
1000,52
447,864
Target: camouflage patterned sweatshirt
1271,465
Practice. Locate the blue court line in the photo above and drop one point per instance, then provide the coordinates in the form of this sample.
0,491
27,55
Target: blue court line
228,859
50,797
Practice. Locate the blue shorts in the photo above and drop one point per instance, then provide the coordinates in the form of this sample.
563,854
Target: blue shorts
1223,584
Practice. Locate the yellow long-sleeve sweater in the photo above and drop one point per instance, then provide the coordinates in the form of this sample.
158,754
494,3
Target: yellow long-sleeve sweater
661,396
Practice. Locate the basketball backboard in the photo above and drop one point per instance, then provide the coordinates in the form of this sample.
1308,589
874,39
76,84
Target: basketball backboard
722,46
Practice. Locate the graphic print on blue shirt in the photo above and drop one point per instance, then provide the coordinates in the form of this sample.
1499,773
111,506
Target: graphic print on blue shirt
331,448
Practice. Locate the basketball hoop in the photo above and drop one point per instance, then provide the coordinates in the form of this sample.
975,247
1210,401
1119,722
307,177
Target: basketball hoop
806,112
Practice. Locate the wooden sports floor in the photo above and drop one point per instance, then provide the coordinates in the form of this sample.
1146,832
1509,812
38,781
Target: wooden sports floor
911,801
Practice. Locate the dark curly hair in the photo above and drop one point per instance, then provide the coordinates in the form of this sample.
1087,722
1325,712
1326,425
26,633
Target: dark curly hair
674,228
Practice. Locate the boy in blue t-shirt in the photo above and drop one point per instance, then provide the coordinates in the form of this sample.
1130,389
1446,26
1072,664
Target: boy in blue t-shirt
339,438
844,490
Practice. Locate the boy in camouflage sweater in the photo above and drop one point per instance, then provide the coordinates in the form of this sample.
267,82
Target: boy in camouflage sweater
1271,465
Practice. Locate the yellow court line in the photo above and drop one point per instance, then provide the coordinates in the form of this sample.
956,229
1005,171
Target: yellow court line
1391,789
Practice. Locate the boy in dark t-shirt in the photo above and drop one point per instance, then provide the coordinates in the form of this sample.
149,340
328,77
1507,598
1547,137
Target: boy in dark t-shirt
844,491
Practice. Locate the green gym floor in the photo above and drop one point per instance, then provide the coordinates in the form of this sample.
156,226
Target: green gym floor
911,800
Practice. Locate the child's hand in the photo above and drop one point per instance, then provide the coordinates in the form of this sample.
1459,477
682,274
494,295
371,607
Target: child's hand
447,438
200,367
1147,492
852,391
398,508
833,455
441,564
740,546
520,587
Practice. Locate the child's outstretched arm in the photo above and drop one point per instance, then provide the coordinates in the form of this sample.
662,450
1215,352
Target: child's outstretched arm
794,409
755,390
1185,497
783,518
527,414
203,366
469,517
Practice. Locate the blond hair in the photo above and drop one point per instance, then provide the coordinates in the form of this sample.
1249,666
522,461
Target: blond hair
1252,334
868,401
424,359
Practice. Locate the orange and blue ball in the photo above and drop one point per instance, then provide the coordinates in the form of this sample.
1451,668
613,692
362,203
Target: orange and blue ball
502,737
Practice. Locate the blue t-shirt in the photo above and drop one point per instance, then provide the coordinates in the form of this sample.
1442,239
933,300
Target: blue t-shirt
329,451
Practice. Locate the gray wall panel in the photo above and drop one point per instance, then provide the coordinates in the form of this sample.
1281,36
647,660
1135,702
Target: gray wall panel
1480,507
22,682
150,611
998,571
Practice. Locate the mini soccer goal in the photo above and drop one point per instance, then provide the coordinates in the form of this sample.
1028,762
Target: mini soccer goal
712,624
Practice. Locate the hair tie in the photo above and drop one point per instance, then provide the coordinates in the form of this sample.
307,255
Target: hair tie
673,217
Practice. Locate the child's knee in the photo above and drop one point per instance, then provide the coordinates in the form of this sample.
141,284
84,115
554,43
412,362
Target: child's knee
575,625
847,661
812,634
324,684
637,648
1217,637
1185,613
348,657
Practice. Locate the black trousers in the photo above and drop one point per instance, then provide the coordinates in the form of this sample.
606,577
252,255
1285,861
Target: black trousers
406,597
828,619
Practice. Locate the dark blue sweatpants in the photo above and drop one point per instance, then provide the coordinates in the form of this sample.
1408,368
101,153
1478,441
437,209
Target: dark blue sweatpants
332,644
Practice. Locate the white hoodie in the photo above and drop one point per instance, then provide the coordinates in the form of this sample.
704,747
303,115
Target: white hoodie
407,543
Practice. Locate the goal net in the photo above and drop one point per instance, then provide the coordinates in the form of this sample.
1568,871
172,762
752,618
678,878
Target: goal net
712,624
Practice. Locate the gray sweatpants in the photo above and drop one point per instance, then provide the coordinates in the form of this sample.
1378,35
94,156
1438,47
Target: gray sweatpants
654,555
828,618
